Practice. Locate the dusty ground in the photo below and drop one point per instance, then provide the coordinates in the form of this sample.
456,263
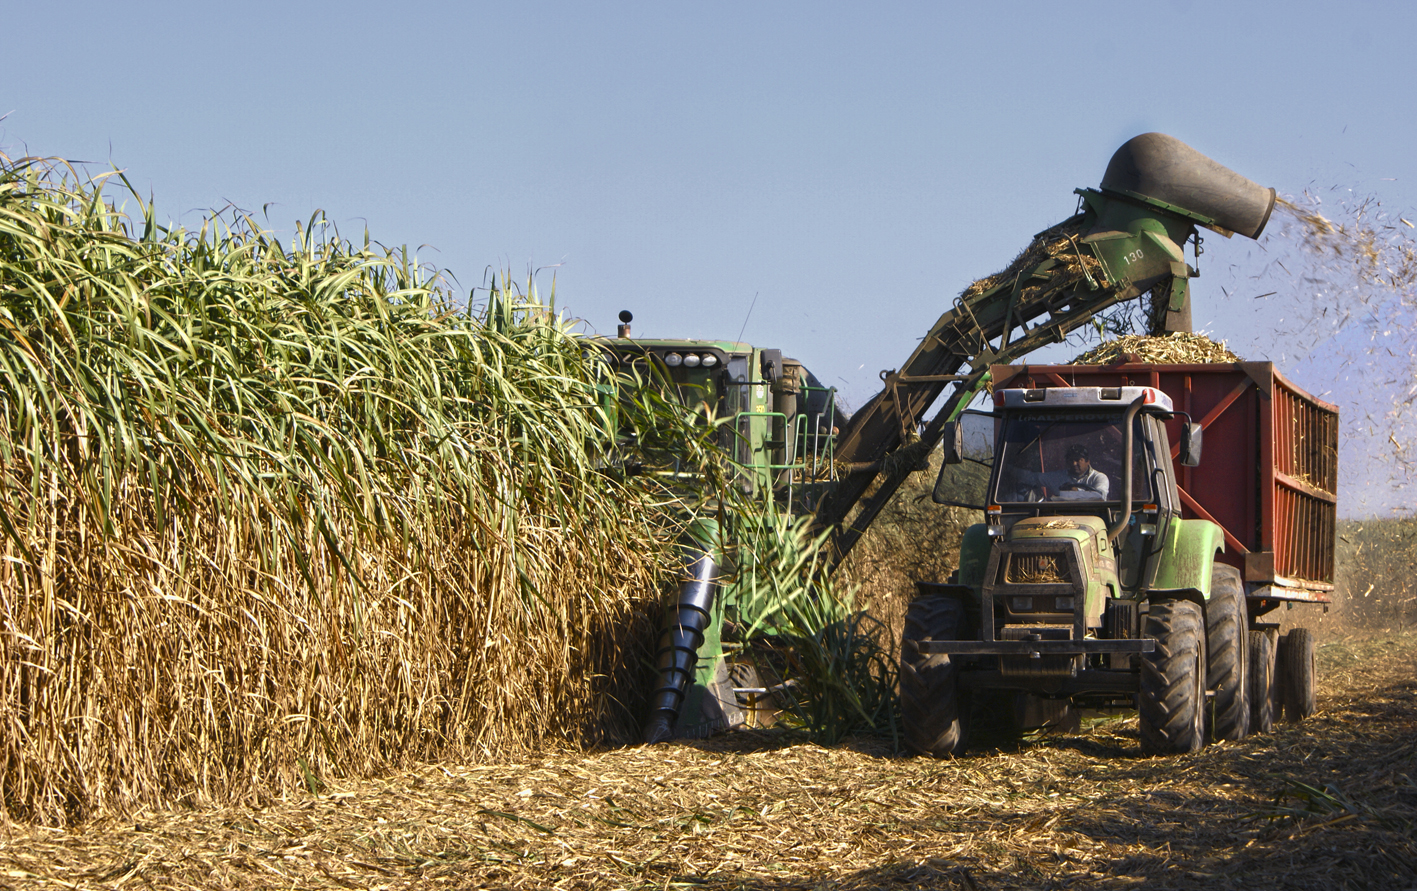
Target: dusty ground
1328,804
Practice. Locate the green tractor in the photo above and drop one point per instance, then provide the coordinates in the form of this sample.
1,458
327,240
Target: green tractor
1085,586
1113,570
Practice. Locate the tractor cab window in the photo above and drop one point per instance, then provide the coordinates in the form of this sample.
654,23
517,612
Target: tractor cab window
1068,457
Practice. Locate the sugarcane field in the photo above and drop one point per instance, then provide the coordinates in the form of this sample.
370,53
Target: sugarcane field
316,578
747,447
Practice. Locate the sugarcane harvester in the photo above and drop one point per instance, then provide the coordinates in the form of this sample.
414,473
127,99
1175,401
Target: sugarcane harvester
1126,242
775,423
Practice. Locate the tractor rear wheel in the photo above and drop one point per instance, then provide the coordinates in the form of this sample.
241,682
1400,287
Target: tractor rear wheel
1296,654
1227,648
1262,669
1172,702
934,720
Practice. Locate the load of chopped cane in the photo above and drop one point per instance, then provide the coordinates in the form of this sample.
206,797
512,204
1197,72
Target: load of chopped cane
1178,348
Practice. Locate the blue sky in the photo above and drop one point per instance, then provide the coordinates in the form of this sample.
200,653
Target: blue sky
852,167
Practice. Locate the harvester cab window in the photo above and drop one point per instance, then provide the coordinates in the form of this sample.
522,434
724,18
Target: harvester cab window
696,391
1075,457
696,388
737,399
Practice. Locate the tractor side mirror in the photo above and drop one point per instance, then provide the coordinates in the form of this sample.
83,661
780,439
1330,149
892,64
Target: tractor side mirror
1191,438
968,447
952,443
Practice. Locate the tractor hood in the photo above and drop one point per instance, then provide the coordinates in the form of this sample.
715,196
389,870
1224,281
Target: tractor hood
1079,529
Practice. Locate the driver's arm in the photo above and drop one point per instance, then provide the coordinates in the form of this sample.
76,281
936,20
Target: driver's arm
1029,477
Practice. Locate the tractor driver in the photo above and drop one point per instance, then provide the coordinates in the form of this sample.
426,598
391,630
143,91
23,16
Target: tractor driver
1078,483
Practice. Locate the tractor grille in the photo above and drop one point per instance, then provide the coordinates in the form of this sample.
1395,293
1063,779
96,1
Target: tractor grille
1043,666
1036,569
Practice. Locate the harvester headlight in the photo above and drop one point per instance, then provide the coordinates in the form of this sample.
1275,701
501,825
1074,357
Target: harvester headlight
691,360
1021,604
673,360
1063,604
710,360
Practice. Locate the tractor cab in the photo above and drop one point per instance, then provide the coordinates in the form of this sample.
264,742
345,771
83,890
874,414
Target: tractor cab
1057,455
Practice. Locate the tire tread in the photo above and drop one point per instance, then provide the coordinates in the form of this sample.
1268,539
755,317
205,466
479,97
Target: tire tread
933,721
1296,651
1227,652
1262,671
1172,701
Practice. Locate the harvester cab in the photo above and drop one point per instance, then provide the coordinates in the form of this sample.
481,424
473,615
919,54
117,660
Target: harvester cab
775,418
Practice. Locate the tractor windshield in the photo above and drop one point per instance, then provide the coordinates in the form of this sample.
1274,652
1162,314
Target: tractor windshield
1069,457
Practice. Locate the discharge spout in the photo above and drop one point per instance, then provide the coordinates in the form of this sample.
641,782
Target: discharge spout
1163,168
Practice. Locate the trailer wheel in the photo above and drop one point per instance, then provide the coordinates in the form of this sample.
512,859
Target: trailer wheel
1296,654
1227,646
934,721
1172,700
1276,698
1262,700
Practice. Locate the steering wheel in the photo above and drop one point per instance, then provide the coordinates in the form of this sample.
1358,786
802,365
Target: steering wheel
1032,493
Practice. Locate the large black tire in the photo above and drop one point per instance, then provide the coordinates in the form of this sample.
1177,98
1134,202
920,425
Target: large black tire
1172,700
1296,652
1262,671
1277,696
1227,648
934,720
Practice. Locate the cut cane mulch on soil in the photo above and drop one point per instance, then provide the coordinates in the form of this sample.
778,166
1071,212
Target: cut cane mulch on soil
1328,804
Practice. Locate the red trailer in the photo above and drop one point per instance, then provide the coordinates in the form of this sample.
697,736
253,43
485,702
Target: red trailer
1269,473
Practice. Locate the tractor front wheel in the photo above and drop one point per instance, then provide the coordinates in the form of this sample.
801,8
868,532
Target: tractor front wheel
934,721
1172,702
